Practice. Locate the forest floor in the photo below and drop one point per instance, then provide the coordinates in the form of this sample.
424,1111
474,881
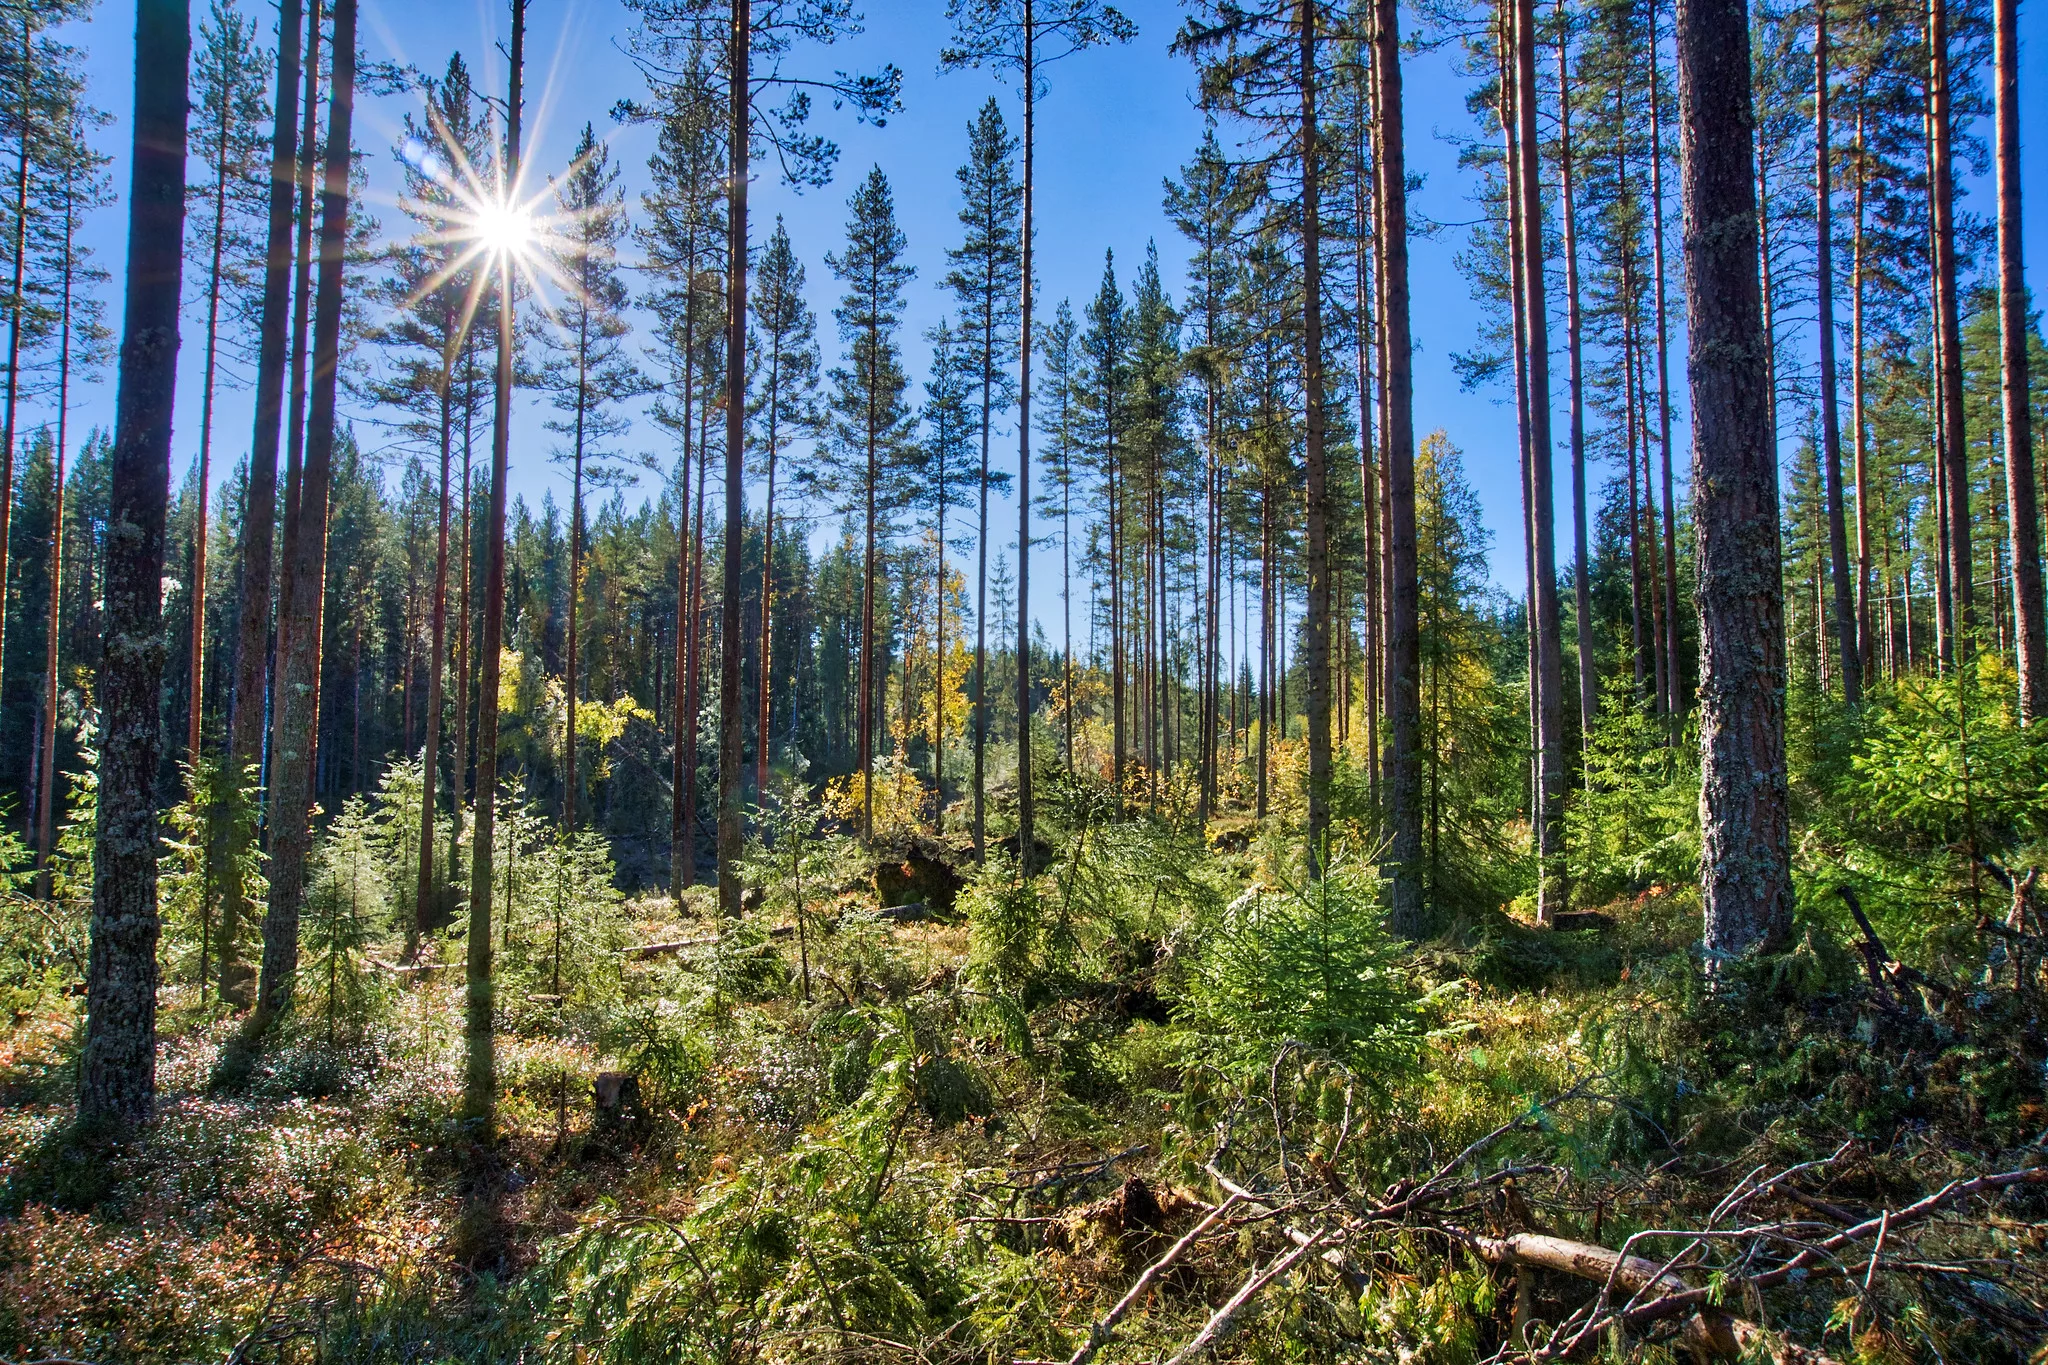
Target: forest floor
968,1138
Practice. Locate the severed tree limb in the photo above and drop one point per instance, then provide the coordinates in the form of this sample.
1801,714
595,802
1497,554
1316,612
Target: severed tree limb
1817,1258
1224,1320
1099,1333
410,969
1332,1257
1714,1332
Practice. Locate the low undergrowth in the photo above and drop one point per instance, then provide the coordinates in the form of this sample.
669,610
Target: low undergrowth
852,1134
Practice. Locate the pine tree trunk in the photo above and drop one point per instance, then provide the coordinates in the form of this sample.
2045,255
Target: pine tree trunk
259,505
1746,854
305,572
981,640
294,427
1947,320
426,910
570,654
479,1024
1114,567
731,704
459,773
764,714
1026,805
1866,652
1404,697
2029,626
195,683
46,767
1316,556
682,861
1850,660
117,1068
24,119
1551,892
695,689
1674,704
865,711
1582,590
1268,713
764,700
1368,480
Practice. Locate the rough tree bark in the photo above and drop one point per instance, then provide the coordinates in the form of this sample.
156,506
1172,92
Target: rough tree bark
305,569
425,909
1404,661
1552,895
259,507
117,1070
1844,604
1948,327
24,118
1582,590
2029,625
1316,551
480,1068
46,765
1673,705
1746,878
731,705
1026,804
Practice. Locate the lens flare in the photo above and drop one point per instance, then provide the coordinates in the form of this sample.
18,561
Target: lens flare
503,229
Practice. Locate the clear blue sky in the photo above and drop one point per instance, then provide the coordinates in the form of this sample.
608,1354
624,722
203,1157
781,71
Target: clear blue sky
1117,121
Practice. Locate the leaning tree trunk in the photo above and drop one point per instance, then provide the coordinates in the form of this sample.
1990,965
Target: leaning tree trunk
117,1071
305,570
1746,880
731,705
2028,622
1404,661
1844,601
259,505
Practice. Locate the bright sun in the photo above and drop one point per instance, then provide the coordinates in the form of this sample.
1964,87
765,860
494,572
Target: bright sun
503,229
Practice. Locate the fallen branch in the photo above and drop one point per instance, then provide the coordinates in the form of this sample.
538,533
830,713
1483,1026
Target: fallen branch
1878,959
1075,1172
680,944
403,969
1332,1258
1223,1321
1714,1331
1819,1258
1100,1332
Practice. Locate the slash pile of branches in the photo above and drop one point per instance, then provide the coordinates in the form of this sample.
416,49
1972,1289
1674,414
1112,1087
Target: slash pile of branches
1708,1286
